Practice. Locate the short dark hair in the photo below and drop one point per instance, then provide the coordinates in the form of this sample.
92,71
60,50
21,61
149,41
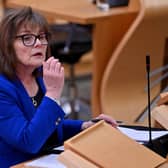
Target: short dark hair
11,22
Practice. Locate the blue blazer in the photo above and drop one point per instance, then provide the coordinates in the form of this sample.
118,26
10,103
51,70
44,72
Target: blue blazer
23,128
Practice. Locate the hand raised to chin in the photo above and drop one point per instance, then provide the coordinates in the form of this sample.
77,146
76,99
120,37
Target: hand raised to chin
53,75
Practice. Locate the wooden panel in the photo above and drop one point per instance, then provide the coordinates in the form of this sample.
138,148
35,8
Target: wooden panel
72,160
160,114
123,92
80,11
107,35
107,147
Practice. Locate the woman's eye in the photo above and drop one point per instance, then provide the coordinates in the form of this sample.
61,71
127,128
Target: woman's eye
27,38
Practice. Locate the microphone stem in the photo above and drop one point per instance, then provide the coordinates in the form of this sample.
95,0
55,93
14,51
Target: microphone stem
149,113
149,107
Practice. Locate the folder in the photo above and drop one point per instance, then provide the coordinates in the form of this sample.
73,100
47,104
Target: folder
106,147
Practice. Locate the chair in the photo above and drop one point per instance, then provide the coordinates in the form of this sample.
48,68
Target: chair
122,89
69,43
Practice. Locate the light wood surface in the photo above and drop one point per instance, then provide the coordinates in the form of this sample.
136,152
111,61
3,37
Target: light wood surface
108,29
73,160
80,11
106,147
125,74
160,114
163,98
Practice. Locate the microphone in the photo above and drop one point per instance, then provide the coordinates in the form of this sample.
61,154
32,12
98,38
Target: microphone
159,145
149,105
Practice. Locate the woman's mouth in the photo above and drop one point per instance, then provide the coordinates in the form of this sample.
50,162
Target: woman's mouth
38,54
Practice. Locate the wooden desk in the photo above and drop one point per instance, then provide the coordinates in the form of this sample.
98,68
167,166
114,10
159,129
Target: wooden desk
108,29
22,165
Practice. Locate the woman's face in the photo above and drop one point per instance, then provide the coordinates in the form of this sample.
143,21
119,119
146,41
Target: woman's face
30,55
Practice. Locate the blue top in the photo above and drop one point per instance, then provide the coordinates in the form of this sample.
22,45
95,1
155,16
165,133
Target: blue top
23,128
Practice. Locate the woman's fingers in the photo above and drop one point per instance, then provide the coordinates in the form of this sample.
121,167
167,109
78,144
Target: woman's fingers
53,75
51,64
108,119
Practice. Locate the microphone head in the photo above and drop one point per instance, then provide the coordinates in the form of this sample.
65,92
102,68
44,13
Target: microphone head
148,62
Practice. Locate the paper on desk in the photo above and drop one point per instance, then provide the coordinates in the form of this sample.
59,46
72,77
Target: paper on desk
59,148
49,161
141,135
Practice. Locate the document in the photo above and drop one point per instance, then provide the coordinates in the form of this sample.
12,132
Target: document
48,161
61,148
141,135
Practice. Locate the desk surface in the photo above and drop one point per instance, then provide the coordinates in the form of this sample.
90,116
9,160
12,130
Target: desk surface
22,165
82,11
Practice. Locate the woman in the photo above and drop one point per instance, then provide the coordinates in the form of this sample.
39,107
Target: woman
31,120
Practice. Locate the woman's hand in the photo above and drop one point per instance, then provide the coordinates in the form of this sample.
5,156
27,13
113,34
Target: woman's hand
53,75
104,117
108,119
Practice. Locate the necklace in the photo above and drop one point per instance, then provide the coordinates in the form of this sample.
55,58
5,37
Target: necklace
34,101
